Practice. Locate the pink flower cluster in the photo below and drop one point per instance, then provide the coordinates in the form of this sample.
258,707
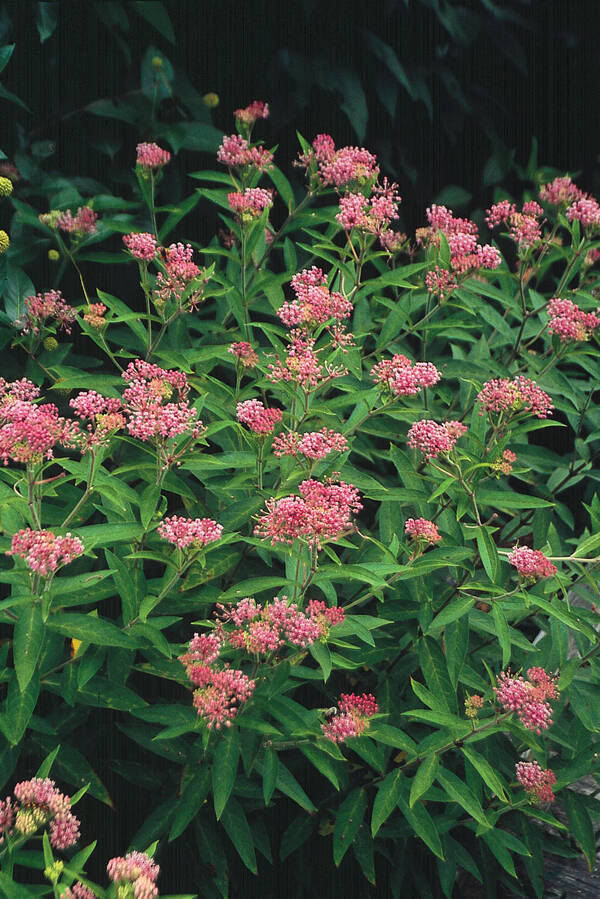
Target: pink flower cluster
322,511
560,192
403,377
104,414
39,803
441,282
189,532
42,307
531,563
260,629
250,203
142,245
340,168
314,304
151,415
249,114
244,352
351,718
504,464
466,254
180,273
423,530
528,698
302,364
28,432
95,315
570,322
221,691
586,211
136,869
372,214
257,417
517,395
78,891
537,781
525,229
236,152
314,444
43,551
151,157
83,222
432,438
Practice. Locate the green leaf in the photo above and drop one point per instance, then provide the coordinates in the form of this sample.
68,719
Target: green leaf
28,639
20,706
508,499
190,802
459,792
386,799
237,829
433,666
45,20
18,287
348,820
287,783
502,631
488,553
425,776
321,654
46,766
5,54
580,825
486,772
454,611
422,824
269,774
89,629
156,14
224,769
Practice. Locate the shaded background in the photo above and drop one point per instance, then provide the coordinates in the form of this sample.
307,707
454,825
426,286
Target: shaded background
453,97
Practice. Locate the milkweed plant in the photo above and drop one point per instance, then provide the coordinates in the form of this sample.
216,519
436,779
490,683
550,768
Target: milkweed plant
310,516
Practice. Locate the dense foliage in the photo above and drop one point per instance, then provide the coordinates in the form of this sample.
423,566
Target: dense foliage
293,523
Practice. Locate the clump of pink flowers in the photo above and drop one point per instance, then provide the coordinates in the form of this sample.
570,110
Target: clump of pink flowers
151,412
422,530
243,351
151,157
78,891
537,781
504,464
220,691
560,192
236,152
43,551
29,432
104,414
189,532
570,322
339,168
180,272
314,444
403,377
142,245
441,282
517,395
42,307
431,438
39,804
528,698
250,203
466,254
257,417
351,718
314,304
95,315
531,564
322,511
586,211
137,871
525,228
370,214
80,224
302,365
258,109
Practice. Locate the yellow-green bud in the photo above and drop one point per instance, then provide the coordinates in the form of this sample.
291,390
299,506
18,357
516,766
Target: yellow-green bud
50,344
53,255
157,63
4,242
211,100
6,187
53,871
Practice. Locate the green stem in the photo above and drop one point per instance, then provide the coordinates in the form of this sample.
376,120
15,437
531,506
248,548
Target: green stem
86,494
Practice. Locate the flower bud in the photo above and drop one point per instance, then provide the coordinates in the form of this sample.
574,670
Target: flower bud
211,100
50,344
157,63
6,187
4,242
53,255
53,871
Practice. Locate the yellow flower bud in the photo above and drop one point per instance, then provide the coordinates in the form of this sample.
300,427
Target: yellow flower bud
211,100
4,242
157,63
6,187
50,344
53,255
53,871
